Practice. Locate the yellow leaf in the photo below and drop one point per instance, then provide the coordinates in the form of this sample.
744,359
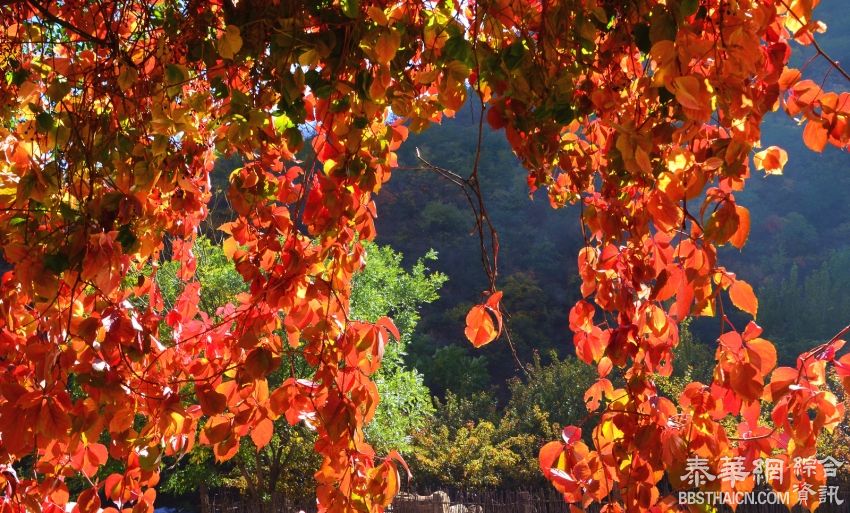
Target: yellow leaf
387,45
687,91
329,166
377,15
309,58
127,77
230,44
229,247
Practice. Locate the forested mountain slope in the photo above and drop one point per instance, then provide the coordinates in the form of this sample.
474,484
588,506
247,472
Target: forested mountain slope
798,256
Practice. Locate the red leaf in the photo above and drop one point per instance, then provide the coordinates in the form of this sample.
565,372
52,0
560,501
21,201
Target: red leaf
571,434
762,354
549,455
262,433
389,325
480,326
743,297
815,135
212,402
581,317
739,238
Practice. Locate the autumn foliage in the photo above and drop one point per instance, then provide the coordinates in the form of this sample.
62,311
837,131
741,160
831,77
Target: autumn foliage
113,114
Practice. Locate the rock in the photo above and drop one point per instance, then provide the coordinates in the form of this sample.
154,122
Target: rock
437,502
458,508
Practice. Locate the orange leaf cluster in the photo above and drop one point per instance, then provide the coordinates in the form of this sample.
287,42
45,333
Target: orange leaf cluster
646,112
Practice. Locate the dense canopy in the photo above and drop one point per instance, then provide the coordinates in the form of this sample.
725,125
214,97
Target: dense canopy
113,113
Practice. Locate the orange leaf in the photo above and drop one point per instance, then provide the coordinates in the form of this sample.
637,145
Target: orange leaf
745,382
53,420
480,327
772,160
114,488
593,395
815,135
88,501
581,317
722,225
666,215
493,300
59,494
549,456
212,402
389,325
387,45
218,428
739,238
395,455
743,297
693,96
262,433
260,362
789,77
89,458
687,90
762,354
227,449
484,322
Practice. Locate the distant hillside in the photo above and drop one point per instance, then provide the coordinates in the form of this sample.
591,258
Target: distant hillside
801,229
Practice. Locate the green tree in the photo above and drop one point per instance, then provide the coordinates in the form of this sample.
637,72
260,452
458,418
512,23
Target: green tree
287,463
386,288
465,445
472,441
803,309
220,282
452,368
541,394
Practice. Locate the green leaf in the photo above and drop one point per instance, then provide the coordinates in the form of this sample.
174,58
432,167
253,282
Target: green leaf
220,90
350,8
281,122
56,262
563,113
514,54
458,48
176,74
126,237
688,7
45,122
58,90
640,33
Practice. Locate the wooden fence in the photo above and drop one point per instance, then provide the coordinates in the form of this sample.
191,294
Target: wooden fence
545,500
232,503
